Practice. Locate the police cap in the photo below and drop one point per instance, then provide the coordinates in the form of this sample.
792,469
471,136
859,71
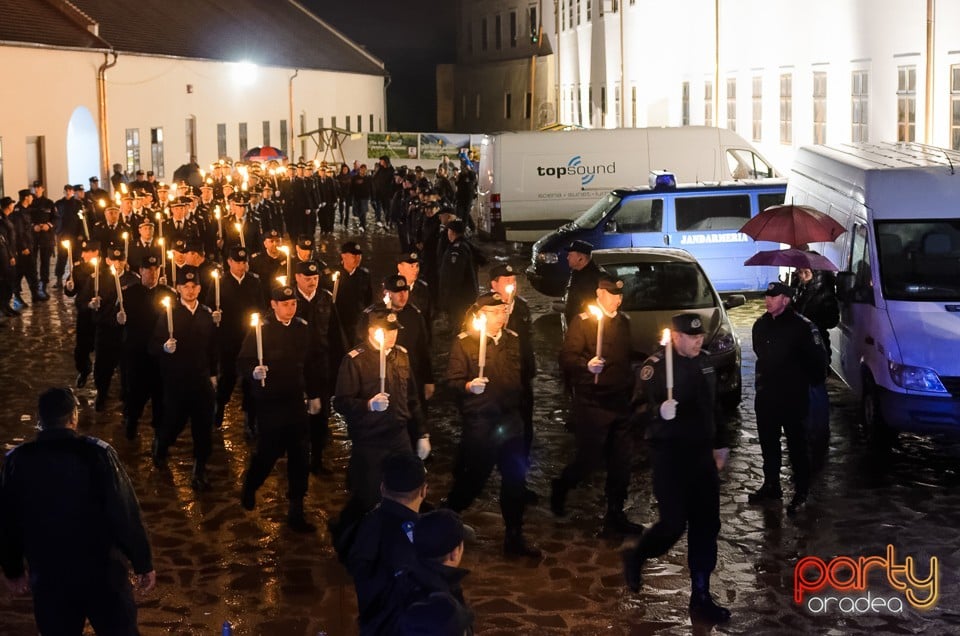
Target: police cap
282,293
149,261
777,288
238,198
408,257
502,269
351,247
383,319
188,274
305,242
610,283
115,253
689,323
90,246
457,226
271,234
489,299
437,533
403,472
237,254
194,246
308,268
581,247
179,245
146,221
395,283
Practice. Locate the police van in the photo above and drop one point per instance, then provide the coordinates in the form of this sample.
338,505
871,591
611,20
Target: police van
704,220
899,286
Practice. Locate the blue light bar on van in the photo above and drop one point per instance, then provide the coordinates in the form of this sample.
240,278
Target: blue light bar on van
661,180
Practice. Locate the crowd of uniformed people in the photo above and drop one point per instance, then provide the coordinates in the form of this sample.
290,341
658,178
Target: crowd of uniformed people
194,289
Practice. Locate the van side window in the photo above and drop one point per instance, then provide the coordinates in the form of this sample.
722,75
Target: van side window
637,214
746,164
764,201
860,266
701,214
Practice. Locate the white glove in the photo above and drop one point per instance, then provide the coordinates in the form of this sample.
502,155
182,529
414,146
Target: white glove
260,372
595,366
163,280
170,345
314,405
720,456
428,390
213,382
121,317
423,447
477,385
668,410
94,303
217,316
379,402
68,285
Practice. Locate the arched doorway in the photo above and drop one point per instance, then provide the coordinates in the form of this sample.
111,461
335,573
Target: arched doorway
83,146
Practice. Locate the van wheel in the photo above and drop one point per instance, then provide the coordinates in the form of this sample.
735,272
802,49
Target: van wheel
875,430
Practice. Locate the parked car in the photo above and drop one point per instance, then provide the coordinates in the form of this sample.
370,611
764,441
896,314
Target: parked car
660,282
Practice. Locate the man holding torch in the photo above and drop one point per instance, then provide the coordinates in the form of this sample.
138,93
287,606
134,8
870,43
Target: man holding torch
595,360
688,447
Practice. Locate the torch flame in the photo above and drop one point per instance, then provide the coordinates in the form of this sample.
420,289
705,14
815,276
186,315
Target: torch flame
165,301
66,244
378,336
386,298
215,274
665,338
94,261
160,241
596,311
480,321
124,236
336,275
509,290
254,320
282,280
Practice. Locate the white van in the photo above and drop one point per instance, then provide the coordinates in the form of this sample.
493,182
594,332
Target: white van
533,182
898,342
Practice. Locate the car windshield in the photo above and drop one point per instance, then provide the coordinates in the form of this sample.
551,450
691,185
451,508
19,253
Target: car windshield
589,219
663,286
919,260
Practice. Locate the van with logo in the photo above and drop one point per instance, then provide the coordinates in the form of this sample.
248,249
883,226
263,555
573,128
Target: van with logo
531,183
705,220
898,342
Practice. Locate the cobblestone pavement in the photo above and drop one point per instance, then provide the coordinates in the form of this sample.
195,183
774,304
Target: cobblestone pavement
216,562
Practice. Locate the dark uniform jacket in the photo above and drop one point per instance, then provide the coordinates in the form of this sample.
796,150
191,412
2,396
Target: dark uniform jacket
458,279
817,301
354,294
695,388
521,321
195,360
581,289
426,578
238,300
143,308
69,508
413,337
326,341
110,234
614,385
68,222
499,404
790,358
359,380
267,268
285,350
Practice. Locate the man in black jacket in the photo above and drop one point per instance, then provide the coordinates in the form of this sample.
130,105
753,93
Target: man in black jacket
352,290
44,220
68,509
584,274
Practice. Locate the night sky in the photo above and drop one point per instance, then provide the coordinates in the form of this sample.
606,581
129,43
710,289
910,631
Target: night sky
411,38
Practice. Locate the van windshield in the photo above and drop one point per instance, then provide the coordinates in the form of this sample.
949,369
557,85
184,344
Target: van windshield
662,286
919,260
589,219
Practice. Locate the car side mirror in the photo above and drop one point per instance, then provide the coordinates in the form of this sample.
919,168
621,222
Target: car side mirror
610,227
734,300
845,284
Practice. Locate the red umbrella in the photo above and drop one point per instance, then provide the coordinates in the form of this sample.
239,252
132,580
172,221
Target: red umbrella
263,154
792,258
792,224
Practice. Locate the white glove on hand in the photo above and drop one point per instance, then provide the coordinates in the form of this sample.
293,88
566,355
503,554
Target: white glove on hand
217,316
68,285
313,406
428,390
477,385
595,366
423,448
213,382
121,318
163,280
379,402
720,456
94,304
668,410
170,345
260,372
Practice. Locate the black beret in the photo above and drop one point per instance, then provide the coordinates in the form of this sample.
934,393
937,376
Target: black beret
581,247
54,404
403,472
777,288
149,261
395,283
188,274
457,226
690,324
351,247
282,293
308,268
437,533
489,299
502,270
382,318
610,283
238,254
305,242
408,257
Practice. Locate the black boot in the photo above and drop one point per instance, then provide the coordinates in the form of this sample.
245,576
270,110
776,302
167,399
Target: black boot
514,544
248,497
218,416
249,427
158,453
615,522
558,497
199,480
703,608
82,379
297,521
130,428
100,403
632,568
765,493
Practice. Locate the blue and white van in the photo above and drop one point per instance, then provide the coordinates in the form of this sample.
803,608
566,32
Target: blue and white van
704,220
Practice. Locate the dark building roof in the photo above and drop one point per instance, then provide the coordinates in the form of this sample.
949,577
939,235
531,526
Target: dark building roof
263,32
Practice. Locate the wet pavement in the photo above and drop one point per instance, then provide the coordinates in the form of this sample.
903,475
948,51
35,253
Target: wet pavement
216,562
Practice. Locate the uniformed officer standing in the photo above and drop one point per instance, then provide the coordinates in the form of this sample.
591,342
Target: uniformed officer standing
77,286
188,363
315,306
458,275
269,263
108,320
354,289
584,274
278,389
408,266
489,402
43,218
689,447
600,413
68,509
791,358
377,420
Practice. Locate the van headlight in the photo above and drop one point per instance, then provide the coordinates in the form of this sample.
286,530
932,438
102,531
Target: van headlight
915,378
548,258
723,342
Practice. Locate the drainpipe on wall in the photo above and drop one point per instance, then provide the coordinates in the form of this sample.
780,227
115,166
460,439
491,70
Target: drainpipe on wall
928,88
291,146
102,113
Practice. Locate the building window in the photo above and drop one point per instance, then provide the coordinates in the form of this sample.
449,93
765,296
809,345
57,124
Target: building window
359,123
483,34
578,12
266,133
633,104
859,106
476,107
906,103
570,10
533,27
497,35
819,108
616,106
513,29
133,150
156,151
590,10
527,105
347,123
579,105
590,105
507,105
603,106
283,136
757,99
319,123
371,122
191,131
563,14
333,121
954,106
243,139
708,103
786,108
685,104
732,104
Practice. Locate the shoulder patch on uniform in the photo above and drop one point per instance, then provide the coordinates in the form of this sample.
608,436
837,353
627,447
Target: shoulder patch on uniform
585,315
353,353
462,335
96,440
646,372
